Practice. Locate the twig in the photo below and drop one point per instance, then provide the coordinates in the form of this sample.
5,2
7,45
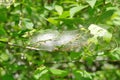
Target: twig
83,62
73,61
26,47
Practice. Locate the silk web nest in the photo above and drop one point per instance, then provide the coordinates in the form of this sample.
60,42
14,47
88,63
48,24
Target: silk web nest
50,40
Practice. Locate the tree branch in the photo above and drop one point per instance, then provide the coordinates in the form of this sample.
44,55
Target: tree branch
25,47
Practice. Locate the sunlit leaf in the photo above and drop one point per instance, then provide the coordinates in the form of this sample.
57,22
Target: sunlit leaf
59,9
91,2
93,40
4,57
76,9
65,14
82,75
97,31
40,72
53,21
26,24
116,18
58,72
107,37
115,54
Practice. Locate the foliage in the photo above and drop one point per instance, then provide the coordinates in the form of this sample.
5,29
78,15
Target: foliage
97,21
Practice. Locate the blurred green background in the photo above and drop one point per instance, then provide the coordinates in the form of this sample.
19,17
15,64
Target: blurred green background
98,60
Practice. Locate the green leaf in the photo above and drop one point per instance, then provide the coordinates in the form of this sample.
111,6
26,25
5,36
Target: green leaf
3,14
2,31
7,77
4,57
27,24
93,40
4,39
53,21
41,72
115,54
65,14
58,72
105,16
107,37
82,75
74,55
91,2
116,18
74,10
59,9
